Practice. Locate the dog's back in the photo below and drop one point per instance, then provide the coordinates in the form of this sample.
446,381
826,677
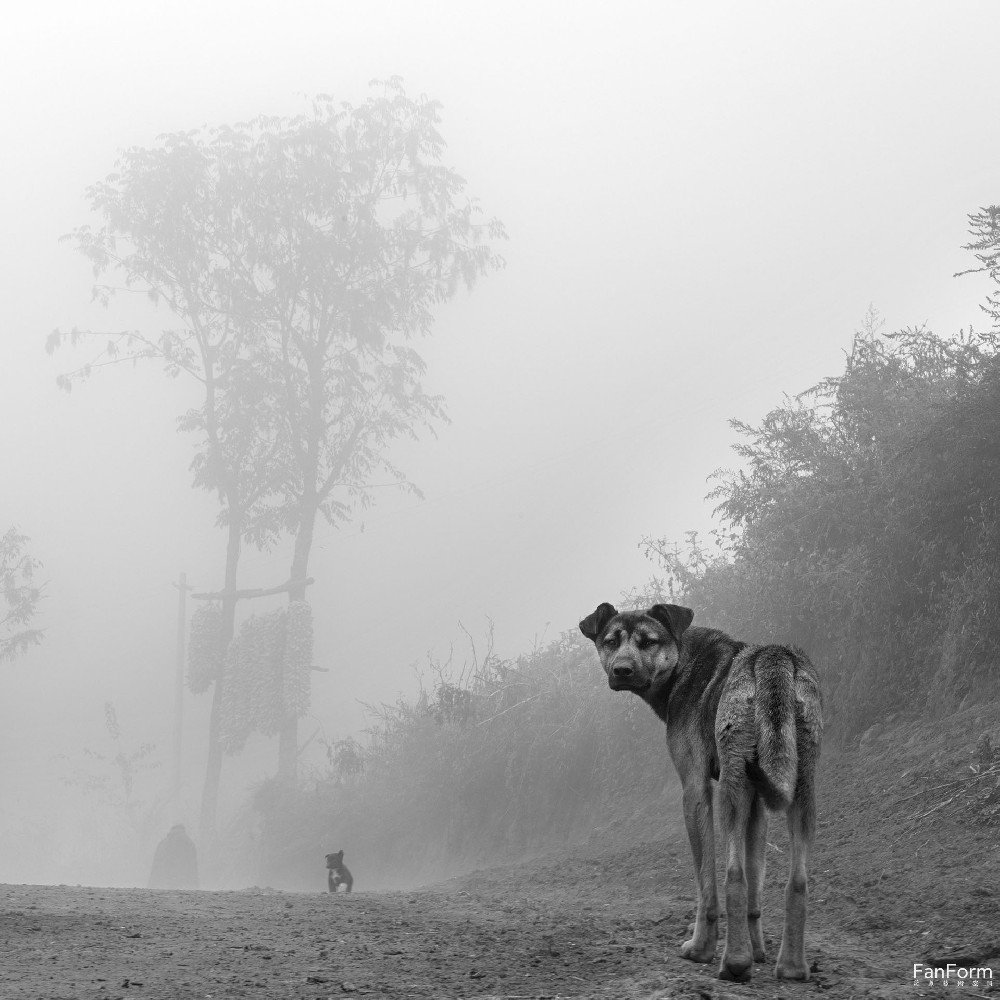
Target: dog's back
769,722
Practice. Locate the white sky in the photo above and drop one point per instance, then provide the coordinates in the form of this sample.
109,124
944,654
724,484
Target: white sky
702,201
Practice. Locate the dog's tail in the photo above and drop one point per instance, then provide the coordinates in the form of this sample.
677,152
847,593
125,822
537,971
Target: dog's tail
775,771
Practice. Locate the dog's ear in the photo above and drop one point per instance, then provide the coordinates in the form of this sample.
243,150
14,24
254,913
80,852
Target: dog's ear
674,617
593,625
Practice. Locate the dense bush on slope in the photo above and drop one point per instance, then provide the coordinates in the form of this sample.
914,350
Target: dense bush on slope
863,526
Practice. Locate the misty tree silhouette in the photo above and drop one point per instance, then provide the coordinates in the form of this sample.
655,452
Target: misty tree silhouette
299,257
20,596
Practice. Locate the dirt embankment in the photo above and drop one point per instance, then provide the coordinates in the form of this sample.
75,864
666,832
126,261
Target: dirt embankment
900,875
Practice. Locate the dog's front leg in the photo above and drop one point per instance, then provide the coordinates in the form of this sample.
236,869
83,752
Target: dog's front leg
700,947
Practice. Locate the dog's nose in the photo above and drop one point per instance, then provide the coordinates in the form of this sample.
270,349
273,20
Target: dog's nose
622,670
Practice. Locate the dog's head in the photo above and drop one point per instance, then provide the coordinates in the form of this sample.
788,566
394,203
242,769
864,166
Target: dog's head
638,649
335,860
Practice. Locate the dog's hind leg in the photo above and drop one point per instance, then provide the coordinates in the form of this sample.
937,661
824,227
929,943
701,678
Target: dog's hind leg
801,827
756,862
700,947
736,799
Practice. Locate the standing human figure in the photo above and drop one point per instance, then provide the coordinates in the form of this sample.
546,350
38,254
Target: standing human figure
175,863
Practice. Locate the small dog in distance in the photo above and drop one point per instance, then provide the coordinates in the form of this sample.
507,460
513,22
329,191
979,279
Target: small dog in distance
337,874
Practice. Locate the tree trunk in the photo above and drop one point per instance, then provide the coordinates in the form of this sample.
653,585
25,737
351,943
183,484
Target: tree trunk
213,772
288,735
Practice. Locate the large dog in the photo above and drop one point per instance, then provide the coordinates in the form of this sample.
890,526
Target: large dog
749,717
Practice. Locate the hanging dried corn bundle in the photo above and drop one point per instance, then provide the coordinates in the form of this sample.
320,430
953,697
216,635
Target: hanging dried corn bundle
269,638
266,674
205,647
236,712
298,658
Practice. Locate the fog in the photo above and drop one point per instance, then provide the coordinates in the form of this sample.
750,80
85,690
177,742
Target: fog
702,201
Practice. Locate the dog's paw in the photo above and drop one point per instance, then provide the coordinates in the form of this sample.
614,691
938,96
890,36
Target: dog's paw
736,968
787,968
698,951
791,971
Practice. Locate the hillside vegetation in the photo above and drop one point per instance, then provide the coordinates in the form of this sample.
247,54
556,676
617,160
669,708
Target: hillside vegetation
861,525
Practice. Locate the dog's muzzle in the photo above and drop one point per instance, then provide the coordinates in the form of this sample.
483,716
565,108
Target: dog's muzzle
623,677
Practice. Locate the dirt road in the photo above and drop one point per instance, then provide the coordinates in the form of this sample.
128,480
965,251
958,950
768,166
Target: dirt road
588,924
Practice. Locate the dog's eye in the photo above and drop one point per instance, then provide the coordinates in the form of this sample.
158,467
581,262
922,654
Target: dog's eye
611,639
642,640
